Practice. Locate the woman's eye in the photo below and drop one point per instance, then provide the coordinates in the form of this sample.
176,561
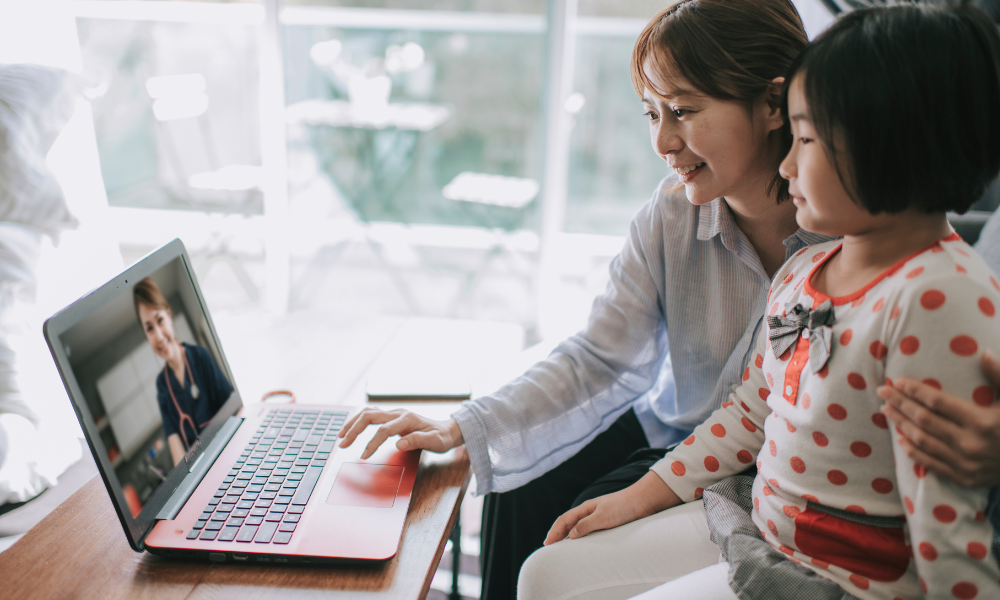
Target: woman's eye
680,112
652,115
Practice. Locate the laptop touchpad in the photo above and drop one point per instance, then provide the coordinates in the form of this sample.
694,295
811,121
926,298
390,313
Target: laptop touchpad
364,484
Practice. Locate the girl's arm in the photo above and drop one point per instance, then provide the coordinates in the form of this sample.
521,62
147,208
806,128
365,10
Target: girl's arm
949,532
954,438
725,444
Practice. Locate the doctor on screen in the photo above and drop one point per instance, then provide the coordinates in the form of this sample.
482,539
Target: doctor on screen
191,388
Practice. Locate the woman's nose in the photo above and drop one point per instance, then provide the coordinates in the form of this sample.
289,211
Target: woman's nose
666,139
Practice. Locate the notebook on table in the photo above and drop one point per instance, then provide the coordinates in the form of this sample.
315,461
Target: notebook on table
192,471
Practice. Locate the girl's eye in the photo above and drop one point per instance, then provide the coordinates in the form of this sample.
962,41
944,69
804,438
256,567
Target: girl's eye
652,115
805,140
680,112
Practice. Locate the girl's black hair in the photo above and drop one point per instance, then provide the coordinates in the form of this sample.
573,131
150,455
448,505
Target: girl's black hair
906,99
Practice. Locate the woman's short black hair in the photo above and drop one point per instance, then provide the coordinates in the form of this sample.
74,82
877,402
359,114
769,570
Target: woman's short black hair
910,94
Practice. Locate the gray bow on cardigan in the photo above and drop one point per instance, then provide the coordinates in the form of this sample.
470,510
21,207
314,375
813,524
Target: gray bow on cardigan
785,330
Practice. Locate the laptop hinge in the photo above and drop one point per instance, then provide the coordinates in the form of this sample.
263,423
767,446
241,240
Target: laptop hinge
198,469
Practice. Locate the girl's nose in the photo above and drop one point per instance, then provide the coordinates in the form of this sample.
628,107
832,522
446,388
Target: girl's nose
788,168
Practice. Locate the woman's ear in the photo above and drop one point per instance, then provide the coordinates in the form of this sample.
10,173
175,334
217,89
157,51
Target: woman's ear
772,100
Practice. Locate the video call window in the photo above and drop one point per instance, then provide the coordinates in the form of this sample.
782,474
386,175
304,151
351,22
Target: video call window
153,377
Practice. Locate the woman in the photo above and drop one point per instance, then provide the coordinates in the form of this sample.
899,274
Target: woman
191,388
672,333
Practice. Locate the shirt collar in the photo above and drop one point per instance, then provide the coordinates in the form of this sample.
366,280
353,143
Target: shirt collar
714,219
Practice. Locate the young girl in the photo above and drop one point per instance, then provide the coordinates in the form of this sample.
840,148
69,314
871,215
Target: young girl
895,121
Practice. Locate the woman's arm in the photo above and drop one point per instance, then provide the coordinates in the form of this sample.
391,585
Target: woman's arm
954,438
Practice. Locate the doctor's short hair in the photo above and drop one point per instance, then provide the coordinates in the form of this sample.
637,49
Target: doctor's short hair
148,293
906,100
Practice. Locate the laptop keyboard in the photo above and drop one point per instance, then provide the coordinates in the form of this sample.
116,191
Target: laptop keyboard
264,494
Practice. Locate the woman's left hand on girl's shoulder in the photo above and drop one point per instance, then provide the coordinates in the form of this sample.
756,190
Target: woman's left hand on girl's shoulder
954,438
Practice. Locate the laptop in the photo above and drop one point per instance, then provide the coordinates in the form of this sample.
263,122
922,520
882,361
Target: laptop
193,472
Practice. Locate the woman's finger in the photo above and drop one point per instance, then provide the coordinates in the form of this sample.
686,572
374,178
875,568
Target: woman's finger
927,408
917,436
940,468
991,367
364,419
397,426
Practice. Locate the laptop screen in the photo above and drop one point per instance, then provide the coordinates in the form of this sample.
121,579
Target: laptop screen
151,374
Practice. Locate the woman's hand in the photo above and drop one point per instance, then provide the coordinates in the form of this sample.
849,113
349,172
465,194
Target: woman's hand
643,498
414,431
954,438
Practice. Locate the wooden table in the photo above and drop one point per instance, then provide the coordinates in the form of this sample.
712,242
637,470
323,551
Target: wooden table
80,551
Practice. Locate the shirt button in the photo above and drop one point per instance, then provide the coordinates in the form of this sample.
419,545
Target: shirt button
788,390
805,334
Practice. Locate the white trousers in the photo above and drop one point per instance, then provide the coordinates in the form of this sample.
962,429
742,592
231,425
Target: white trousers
666,556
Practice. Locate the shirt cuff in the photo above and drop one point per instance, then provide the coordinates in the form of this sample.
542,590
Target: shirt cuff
474,433
671,471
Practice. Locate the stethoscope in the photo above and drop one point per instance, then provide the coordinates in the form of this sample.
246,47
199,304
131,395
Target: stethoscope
194,394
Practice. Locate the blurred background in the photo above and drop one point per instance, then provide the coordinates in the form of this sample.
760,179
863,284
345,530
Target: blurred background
357,181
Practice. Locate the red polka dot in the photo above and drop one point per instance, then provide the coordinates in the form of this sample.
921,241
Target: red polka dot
845,338
837,411
756,503
909,504
786,549
858,301
698,492
963,345
771,526
788,278
860,582
770,381
744,406
746,373
993,280
748,425
772,448
854,508
820,439
960,269
932,299
878,350
914,272
791,511
888,381
718,430
856,381
744,457
798,465
878,305
767,489
923,584
712,464
944,513
774,308
820,563
818,256
962,252
763,393
861,449
964,590
880,421
983,395
976,550
689,440
824,372
806,400
927,551
920,471
759,361
882,485
791,428
810,498
677,468
987,307
895,313
909,345
837,477
980,516
934,383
